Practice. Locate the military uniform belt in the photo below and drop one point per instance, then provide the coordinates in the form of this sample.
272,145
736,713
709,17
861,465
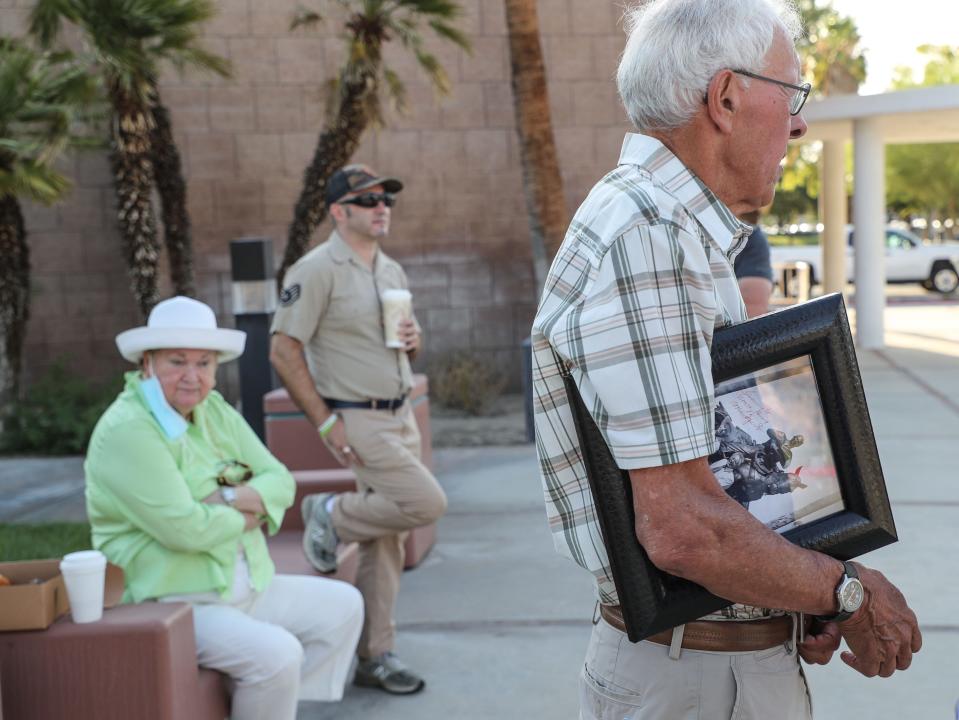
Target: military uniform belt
391,404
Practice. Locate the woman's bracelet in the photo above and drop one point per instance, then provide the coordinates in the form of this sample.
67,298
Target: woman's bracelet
327,425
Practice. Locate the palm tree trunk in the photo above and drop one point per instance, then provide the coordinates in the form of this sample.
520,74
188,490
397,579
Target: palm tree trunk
168,173
542,182
336,145
14,296
133,183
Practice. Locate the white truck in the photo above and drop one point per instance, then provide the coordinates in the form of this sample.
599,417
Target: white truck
908,259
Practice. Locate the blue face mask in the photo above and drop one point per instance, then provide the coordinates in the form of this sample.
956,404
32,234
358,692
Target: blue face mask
172,422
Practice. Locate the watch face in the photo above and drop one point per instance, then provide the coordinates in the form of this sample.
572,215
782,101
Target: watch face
851,595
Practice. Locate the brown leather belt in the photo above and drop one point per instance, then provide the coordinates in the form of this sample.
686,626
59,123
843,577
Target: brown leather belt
718,636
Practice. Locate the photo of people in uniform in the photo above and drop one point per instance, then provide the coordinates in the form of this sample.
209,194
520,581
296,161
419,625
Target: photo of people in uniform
773,455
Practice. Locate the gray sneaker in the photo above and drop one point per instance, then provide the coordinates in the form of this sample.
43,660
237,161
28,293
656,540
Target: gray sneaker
319,537
388,673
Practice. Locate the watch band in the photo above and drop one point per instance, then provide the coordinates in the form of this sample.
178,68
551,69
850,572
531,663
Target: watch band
849,573
228,494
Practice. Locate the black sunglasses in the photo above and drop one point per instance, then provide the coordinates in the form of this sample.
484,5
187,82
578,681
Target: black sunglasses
796,102
370,200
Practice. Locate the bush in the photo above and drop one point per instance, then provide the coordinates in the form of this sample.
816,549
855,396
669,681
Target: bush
464,382
56,415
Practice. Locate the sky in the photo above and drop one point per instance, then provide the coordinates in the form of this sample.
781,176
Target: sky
891,32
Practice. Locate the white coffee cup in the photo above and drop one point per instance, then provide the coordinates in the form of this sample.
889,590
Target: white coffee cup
397,306
84,573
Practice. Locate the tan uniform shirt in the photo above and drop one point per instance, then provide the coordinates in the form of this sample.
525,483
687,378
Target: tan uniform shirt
331,303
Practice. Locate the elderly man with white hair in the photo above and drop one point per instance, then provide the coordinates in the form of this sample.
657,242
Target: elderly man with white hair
630,305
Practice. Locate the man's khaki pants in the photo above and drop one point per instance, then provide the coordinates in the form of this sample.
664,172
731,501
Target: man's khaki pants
639,681
395,493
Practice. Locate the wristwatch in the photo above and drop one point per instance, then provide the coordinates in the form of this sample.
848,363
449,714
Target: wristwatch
228,494
849,594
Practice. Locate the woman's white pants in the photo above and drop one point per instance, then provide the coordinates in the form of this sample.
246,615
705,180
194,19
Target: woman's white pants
293,641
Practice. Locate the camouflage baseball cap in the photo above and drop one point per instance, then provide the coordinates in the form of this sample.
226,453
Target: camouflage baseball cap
357,177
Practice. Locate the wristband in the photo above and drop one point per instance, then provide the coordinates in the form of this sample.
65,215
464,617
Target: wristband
327,425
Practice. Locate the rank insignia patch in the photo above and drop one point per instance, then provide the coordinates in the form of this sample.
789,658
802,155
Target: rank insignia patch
290,295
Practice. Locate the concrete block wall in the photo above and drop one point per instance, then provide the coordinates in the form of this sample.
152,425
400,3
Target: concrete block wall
460,227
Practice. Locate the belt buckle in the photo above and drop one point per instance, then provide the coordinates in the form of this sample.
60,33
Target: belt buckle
373,404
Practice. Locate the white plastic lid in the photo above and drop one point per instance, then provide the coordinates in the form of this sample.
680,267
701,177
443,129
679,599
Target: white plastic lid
84,559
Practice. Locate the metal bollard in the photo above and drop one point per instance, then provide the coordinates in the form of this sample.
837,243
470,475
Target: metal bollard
528,389
792,280
254,302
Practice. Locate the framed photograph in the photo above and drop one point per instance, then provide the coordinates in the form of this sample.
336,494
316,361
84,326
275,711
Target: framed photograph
794,446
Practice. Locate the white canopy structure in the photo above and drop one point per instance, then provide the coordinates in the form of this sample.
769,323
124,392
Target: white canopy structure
920,115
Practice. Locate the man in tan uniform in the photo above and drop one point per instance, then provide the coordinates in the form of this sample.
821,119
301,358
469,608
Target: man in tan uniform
328,347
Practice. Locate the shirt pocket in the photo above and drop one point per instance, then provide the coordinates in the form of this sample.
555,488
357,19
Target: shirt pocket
352,305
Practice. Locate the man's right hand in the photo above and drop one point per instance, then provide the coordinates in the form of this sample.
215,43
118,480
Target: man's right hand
884,633
335,441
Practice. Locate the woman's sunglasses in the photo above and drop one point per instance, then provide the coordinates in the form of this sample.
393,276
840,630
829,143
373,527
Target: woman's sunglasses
370,200
233,472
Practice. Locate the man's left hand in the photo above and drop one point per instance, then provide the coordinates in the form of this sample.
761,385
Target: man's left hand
410,336
820,643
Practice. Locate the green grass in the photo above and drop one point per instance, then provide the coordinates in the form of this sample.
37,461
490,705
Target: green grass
39,542
795,239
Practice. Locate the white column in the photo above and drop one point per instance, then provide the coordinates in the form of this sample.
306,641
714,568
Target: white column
834,215
869,213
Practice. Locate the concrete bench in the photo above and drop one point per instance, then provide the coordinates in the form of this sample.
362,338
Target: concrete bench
293,440
286,549
139,661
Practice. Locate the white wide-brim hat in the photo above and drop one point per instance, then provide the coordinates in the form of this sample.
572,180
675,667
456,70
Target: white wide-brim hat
181,322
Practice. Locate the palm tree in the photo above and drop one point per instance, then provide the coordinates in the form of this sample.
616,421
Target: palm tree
545,201
171,187
831,56
42,97
355,102
130,39
833,62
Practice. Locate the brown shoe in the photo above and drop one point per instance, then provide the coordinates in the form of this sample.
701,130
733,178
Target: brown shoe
387,673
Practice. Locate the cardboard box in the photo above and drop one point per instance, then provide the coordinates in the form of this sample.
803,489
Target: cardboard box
27,605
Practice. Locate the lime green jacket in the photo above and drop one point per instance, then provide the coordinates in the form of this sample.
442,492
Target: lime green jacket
144,497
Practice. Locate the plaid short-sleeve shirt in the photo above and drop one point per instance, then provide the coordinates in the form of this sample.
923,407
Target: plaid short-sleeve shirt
643,278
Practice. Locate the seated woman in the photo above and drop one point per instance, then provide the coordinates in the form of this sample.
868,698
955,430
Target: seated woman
178,488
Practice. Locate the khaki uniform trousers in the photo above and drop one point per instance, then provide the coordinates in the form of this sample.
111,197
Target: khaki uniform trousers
639,681
395,493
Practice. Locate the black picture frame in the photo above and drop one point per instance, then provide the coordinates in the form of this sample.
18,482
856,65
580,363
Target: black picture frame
652,600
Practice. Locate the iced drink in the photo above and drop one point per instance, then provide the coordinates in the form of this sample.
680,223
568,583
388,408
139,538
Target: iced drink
397,306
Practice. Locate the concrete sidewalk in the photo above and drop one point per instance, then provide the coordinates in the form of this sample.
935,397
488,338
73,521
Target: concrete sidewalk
498,622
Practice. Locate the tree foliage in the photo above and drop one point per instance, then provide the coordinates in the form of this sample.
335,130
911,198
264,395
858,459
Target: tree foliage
833,62
130,40
44,97
357,93
923,179
832,59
